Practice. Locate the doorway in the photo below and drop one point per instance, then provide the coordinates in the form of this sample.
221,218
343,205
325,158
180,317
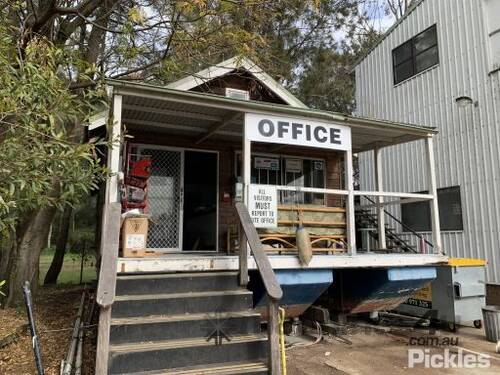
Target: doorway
182,199
200,201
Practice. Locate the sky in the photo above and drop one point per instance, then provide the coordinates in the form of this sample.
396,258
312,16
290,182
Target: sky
380,19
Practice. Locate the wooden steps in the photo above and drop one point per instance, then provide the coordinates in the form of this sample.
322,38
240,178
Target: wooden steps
169,324
248,368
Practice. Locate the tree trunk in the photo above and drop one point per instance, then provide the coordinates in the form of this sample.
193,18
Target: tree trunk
6,244
30,239
62,241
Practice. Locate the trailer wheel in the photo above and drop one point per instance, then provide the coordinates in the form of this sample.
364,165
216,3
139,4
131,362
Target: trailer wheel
452,327
478,323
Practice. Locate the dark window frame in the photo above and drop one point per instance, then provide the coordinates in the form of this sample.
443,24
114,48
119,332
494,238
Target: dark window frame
425,205
414,55
309,178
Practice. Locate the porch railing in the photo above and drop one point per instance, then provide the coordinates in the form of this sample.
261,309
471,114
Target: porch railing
107,280
249,235
422,241
379,203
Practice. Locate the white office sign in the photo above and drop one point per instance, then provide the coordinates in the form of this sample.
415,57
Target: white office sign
262,205
294,131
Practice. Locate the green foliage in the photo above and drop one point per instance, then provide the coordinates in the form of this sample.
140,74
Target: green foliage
46,51
82,228
326,82
42,159
82,238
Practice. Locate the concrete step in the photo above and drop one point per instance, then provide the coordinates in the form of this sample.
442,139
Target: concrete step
170,327
175,282
181,303
248,368
171,354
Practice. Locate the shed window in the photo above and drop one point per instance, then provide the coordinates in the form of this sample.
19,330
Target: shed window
415,55
417,215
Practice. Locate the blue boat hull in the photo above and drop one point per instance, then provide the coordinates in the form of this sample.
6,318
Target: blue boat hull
374,289
355,290
300,289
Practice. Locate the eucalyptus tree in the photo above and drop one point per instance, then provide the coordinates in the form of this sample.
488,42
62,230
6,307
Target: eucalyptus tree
55,55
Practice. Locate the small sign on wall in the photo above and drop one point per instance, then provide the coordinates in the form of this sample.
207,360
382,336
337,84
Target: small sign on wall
318,165
293,165
262,205
267,163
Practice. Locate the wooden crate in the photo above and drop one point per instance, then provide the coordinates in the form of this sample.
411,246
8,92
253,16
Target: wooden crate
139,253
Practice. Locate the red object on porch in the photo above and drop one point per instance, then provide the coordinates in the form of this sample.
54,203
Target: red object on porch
140,168
136,182
135,189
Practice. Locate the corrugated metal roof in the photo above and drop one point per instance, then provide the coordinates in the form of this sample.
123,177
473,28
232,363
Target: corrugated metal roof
207,101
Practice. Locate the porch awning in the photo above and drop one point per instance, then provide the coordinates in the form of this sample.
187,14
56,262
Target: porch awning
152,108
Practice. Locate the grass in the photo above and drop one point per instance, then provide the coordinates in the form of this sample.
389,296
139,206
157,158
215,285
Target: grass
70,273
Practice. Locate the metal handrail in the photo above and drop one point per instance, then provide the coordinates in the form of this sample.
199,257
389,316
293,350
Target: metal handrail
249,235
402,224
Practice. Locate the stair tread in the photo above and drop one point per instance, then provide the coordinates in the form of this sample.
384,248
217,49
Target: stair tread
182,317
183,343
139,297
176,275
216,369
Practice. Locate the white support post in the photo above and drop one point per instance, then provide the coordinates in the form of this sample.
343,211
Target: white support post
246,166
246,162
350,209
112,186
379,185
432,184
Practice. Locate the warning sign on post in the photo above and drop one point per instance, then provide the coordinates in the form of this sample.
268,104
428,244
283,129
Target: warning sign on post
262,204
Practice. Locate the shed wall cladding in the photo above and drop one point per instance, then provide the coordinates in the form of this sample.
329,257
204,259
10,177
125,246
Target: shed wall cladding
467,147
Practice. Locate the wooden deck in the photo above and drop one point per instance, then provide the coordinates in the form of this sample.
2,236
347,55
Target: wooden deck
217,262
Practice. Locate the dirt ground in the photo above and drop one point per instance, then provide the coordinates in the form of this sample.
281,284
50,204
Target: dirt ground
55,312
365,349
373,351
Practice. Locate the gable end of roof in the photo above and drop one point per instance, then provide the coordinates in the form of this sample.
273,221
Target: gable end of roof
225,67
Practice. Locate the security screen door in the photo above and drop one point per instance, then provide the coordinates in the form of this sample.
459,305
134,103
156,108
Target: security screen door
165,191
182,199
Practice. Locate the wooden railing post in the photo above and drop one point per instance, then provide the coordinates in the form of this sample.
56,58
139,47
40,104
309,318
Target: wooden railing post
107,281
379,185
273,337
350,210
432,182
102,352
243,258
274,292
